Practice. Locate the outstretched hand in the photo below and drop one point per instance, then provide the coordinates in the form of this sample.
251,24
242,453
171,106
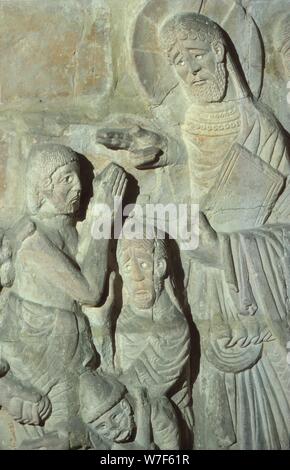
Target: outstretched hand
144,145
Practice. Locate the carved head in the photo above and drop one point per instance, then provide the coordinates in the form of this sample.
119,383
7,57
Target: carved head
196,47
53,184
104,407
143,267
117,424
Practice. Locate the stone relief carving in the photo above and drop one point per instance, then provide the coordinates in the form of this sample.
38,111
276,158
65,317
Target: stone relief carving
136,343
151,316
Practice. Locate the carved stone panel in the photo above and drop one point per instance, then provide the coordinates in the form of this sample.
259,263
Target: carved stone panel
144,224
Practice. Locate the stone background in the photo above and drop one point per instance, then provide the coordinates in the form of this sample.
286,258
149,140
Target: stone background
67,62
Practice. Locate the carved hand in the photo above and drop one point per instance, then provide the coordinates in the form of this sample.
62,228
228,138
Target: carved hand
241,332
34,410
110,184
249,330
144,145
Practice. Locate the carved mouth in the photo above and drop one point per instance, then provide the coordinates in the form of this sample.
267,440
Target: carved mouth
142,292
198,82
123,436
142,295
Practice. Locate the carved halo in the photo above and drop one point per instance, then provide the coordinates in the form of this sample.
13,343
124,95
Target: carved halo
150,63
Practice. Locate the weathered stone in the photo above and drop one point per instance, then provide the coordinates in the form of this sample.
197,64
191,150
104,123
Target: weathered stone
144,214
53,53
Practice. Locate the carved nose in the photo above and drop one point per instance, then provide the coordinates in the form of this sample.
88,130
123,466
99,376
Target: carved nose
195,68
137,273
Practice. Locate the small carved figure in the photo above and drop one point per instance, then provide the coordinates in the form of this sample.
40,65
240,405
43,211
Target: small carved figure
152,338
149,346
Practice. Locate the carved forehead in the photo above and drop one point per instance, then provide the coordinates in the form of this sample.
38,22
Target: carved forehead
45,159
140,245
148,247
68,168
189,26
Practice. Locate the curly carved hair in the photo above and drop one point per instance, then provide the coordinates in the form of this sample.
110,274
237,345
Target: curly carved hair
188,26
43,161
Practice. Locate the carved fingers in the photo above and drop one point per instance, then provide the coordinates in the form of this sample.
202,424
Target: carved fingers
30,412
119,186
115,139
109,184
143,145
248,331
44,408
239,338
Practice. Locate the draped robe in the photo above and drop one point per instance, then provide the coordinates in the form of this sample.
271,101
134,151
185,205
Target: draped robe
243,392
153,347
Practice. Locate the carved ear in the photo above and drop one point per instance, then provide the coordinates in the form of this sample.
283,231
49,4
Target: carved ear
219,50
161,267
45,191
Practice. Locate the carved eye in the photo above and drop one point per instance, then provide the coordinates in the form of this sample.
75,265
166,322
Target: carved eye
144,264
68,179
128,267
180,62
199,57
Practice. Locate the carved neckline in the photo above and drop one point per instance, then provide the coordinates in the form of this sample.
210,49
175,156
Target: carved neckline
212,120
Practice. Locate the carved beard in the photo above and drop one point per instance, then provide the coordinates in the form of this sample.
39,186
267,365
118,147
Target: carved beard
214,90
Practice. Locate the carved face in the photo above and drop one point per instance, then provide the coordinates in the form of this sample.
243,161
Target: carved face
65,190
201,67
140,272
117,424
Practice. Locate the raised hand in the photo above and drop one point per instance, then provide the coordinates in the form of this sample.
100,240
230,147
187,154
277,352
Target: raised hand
110,184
